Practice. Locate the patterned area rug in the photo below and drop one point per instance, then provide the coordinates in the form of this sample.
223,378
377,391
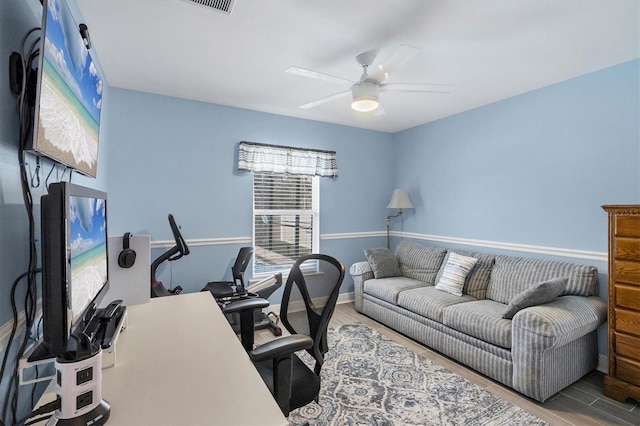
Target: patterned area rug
368,379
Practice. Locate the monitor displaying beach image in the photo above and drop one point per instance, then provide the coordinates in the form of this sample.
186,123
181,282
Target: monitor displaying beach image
70,94
88,251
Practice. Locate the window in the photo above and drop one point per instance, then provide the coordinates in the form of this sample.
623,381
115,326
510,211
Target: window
286,191
286,220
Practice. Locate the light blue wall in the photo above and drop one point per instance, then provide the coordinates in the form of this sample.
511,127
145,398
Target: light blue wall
178,156
533,169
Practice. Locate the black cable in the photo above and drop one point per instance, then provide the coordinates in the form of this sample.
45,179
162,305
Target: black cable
30,298
14,329
46,180
35,177
45,409
38,420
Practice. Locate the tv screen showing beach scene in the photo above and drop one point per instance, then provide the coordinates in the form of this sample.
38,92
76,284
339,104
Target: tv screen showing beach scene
88,251
69,94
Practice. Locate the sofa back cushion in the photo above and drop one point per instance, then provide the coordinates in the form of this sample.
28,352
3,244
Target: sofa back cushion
419,261
512,275
477,281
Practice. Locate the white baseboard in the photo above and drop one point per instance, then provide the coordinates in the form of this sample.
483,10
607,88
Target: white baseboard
346,298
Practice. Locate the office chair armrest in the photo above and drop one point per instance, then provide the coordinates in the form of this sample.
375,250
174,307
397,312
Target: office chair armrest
281,347
251,303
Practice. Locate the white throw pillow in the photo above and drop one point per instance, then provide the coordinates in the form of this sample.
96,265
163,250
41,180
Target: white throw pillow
455,272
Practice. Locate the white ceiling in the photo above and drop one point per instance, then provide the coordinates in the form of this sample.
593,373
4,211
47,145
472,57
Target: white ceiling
488,49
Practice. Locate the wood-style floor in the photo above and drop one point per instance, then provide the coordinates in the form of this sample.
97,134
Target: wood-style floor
582,403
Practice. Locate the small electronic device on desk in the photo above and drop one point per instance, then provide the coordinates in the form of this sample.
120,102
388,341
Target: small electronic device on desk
105,327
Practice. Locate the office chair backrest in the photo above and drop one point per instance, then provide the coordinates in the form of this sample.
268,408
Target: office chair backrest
309,299
240,265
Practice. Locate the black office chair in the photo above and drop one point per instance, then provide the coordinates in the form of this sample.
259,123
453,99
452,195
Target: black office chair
307,305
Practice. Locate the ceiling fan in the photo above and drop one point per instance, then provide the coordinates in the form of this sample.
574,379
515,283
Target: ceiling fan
366,92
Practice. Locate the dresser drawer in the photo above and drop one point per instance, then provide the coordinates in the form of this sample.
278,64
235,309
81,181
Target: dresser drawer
627,226
627,249
627,272
628,370
627,296
627,321
627,346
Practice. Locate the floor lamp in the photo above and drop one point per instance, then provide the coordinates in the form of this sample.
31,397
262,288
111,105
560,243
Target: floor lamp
399,200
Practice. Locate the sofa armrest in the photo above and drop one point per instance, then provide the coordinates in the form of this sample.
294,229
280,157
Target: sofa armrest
555,344
559,322
360,272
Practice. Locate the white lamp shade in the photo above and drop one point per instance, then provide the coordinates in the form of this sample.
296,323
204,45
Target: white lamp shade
400,200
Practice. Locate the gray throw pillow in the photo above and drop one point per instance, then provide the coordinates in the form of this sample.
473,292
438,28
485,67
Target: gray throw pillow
383,262
538,294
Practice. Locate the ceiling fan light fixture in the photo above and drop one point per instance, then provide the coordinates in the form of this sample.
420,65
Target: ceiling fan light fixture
365,103
365,96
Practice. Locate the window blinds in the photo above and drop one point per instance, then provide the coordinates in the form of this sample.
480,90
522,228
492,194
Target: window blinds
284,218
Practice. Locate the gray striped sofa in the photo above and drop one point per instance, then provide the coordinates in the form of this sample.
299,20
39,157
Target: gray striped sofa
538,352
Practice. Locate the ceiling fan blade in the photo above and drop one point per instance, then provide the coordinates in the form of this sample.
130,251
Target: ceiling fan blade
416,88
398,58
327,99
318,75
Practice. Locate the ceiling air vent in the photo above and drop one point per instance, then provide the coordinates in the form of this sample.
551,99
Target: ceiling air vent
223,6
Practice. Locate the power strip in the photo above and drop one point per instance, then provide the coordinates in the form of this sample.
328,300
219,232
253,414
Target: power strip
79,388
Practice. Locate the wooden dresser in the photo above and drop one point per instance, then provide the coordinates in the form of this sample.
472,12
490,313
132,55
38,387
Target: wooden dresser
623,380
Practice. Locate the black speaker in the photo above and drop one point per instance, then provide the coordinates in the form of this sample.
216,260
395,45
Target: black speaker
127,256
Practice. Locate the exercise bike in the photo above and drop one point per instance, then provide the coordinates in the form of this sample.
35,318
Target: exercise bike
174,253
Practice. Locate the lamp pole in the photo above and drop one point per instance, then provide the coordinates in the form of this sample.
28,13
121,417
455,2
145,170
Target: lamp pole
389,223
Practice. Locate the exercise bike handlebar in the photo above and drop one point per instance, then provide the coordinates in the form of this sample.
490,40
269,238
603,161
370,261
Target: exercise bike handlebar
181,244
174,253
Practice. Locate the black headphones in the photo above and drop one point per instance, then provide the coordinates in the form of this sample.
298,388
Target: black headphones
127,256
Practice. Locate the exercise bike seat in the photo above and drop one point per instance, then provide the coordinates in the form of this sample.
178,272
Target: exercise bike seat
220,289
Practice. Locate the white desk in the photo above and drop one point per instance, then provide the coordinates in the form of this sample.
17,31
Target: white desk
179,362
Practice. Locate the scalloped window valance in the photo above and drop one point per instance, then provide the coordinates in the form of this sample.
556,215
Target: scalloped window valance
286,160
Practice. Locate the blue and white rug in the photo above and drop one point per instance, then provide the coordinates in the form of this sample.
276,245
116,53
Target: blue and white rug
368,379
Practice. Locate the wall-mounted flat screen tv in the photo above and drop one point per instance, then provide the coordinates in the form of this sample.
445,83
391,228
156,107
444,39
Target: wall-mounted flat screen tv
69,93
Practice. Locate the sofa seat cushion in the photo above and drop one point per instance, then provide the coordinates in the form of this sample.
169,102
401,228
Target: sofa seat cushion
429,302
388,289
481,319
419,261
